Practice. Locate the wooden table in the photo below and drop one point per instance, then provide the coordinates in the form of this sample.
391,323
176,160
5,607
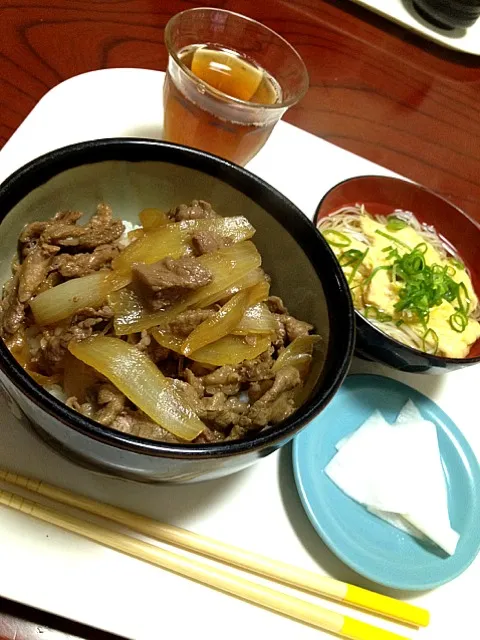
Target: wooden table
376,89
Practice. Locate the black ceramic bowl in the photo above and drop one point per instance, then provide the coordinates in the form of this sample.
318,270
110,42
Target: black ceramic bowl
382,196
132,174
449,13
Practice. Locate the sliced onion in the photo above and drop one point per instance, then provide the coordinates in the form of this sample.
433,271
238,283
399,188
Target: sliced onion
230,350
153,219
298,353
227,266
66,299
152,247
167,339
253,277
219,325
135,234
259,292
136,376
257,319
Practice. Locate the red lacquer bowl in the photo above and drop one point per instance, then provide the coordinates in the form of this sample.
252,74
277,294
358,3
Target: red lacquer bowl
383,195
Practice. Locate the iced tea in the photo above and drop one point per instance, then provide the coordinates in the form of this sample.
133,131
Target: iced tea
219,98
189,121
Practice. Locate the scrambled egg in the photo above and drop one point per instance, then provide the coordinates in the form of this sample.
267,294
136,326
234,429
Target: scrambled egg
451,343
365,268
382,293
407,236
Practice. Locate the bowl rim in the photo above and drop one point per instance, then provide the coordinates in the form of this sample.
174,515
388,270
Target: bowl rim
130,150
439,361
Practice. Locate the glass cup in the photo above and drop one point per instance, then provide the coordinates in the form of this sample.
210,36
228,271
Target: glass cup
199,115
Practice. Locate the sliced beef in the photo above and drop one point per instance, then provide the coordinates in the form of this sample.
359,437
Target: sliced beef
275,305
277,403
288,328
163,283
102,229
34,270
258,388
280,338
105,313
221,377
54,344
188,320
258,369
196,210
28,279
219,412
111,403
103,403
195,382
136,423
207,242
296,328
12,311
230,379
238,432
32,233
225,412
82,264
115,415
86,408
54,341
189,395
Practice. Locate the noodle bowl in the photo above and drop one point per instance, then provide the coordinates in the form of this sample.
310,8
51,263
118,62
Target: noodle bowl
405,279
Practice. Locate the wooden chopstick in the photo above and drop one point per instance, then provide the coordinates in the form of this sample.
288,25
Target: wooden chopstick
266,567
192,568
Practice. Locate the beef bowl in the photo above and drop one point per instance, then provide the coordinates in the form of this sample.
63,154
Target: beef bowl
166,316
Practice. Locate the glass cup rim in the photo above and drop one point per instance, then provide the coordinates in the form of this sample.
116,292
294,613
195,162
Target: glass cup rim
219,94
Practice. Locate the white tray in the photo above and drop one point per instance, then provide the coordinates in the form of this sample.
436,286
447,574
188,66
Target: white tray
403,12
258,508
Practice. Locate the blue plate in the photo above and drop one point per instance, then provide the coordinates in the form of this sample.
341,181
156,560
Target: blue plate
370,546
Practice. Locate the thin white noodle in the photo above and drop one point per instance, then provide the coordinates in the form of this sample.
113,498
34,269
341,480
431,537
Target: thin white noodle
346,220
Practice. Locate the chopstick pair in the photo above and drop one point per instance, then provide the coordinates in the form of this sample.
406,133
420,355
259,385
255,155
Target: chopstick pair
219,578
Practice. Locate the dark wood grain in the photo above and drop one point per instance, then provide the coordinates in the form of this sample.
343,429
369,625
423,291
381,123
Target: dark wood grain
19,622
376,89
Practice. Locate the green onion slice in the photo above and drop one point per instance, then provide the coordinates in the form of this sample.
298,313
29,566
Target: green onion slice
357,265
393,239
395,224
421,248
449,271
349,257
458,321
336,238
377,314
430,336
463,299
457,264
375,271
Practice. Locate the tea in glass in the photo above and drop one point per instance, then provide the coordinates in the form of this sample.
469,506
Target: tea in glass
221,98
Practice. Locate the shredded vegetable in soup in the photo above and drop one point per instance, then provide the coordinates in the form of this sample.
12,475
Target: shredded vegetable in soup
167,331
405,280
